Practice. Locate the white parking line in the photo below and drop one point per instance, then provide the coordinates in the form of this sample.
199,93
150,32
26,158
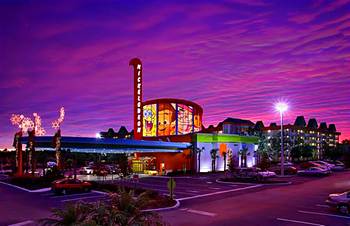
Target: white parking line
200,212
300,222
321,205
323,214
68,196
22,223
75,199
219,192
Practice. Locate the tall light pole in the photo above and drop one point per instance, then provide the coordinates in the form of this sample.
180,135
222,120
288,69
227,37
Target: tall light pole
281,108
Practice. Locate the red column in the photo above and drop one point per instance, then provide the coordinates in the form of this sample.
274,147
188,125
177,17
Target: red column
138,113
19,157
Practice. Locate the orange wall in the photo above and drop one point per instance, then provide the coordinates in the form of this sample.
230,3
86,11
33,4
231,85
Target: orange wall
172,161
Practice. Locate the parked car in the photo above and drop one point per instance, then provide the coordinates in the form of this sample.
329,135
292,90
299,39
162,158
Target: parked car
86,170
67,185
338,165
307,165
5,169
340,201
254,174
325,164
285,164
314,171
51,164
288,170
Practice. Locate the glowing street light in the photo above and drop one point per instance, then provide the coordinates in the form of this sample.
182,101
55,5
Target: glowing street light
281,107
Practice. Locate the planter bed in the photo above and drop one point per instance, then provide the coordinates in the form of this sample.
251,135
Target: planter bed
156,200
31,182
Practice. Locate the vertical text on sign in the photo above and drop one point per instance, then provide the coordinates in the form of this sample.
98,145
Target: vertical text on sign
139,99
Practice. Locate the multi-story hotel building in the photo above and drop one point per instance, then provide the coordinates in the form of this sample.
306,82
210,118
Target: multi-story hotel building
310,134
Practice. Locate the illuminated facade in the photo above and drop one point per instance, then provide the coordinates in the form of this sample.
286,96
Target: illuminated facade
166,117
317,137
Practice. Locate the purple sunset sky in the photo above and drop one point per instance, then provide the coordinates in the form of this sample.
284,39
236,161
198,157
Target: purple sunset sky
234,58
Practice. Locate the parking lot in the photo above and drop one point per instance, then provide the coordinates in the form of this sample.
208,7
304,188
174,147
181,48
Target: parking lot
58,200
186,187
301,203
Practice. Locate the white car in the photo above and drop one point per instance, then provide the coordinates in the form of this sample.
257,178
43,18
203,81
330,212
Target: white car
286,164
266,174
86,170
338,165
314,171
341,201
325,164
51,164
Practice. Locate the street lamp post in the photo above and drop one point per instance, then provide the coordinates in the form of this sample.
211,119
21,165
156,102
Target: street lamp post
282,107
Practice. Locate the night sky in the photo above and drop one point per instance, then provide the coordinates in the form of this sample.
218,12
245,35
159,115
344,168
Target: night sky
234,58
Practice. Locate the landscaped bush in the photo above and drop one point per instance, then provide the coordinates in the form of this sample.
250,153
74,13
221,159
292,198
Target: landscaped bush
34,182
123,209
155,200
179,173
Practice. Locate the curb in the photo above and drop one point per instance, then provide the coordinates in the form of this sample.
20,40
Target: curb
27,190
241,183
148,210
175,177
100,192
235,183
165,208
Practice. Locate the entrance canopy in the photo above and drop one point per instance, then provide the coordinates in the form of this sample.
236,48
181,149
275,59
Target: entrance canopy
107,145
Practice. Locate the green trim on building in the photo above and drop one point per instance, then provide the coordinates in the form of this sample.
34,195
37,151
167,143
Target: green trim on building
225,138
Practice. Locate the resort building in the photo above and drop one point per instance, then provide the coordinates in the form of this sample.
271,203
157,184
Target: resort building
318,137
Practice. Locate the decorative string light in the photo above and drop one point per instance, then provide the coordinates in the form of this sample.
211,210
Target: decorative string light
26,124
57,123
39,130
16,119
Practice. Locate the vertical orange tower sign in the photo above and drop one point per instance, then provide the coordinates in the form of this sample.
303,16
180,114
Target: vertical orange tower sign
138,116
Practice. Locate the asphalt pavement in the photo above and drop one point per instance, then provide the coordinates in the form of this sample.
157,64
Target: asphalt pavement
205,202
301,203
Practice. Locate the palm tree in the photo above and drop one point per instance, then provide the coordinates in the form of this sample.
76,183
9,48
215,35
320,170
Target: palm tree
224,154
123,209
243,152
214,156
198,151
72,214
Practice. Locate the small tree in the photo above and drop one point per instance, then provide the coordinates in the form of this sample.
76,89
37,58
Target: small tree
224,154
307,152
295,153
265,162
333,153
232,164
262,146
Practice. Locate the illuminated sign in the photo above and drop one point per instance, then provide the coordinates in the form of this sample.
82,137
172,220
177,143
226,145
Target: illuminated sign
138,117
